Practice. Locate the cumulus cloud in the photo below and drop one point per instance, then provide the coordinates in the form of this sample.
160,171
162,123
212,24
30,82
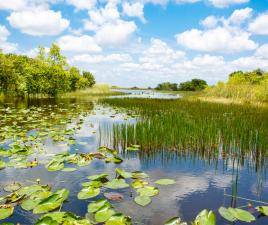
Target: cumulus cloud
134,10
38,22
240,15
82,43
259,25
112,58
262,52
82,4
210,22
12,4
4,44
219,39
226,3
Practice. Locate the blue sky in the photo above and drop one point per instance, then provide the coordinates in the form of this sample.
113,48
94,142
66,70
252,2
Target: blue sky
143,42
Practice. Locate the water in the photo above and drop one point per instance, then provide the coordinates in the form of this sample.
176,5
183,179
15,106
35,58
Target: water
201,182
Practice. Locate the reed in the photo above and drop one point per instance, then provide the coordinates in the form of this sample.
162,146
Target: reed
208,129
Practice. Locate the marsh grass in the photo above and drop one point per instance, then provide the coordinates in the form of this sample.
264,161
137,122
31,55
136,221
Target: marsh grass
97,90
211,129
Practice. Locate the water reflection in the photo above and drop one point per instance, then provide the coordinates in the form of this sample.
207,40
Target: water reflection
201,179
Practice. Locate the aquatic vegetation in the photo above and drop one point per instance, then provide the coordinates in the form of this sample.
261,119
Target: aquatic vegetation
195,127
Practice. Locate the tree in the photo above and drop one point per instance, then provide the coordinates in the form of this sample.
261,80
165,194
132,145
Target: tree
167,86
193,85
55,57
90,78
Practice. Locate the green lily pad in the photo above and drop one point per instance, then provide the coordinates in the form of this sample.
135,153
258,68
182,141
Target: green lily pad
165,182
263,210
242,215
122,173
148,191
97,205
69,169
119,219
98,177
116,184
143,200
12,187
139,175
6,212
47,221
206,218
104,214
34,200
88,192
175,221
226,214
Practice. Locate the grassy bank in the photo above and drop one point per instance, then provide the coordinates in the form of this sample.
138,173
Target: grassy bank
202,127
96,90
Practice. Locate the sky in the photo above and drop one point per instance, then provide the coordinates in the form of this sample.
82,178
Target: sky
143,42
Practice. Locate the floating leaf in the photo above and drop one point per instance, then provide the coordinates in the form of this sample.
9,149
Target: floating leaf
47,221
69,169
263,210
139,183
242,215
97,205
116,184
6,211
165,182
102,176
138,175
119,219
226,214
143,200
175,221
122,173
104,214
88,192
12,187
148,191
206,218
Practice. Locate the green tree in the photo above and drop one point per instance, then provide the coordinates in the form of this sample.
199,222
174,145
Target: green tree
90,78
167,86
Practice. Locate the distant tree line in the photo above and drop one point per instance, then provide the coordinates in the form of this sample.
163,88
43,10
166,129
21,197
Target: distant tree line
193,85
46,74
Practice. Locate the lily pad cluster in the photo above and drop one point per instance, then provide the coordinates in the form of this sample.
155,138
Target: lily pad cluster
36,198
59,161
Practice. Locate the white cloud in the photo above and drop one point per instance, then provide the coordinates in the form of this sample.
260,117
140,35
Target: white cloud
210,22
113,58
160,53
4,44
259,25
115,34
262,52
12,4
38,22
134,10
226,3
240,15
250,63
82,43
219,39
82,4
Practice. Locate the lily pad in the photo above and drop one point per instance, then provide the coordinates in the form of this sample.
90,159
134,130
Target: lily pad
175,221
104,214
138,175
97,205
6,211
148,191
122,173
116,184
97,177
12,187
263,210
242,215
206,217
47,221
119,219
139,183
143,200
88,192
165,182
226,214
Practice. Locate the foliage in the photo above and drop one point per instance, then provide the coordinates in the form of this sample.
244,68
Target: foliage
245,86
193,85
167,86
47,74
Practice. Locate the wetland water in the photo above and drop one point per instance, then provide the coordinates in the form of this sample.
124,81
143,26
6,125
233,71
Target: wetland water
201,181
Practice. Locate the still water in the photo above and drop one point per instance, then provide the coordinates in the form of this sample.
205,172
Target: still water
200,182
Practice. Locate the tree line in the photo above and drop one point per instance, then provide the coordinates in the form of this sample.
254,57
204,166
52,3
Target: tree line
46,74
193,85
